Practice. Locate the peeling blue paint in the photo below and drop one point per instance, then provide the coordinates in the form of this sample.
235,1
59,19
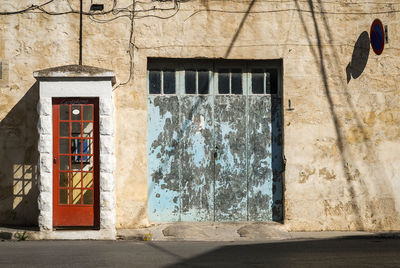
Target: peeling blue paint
230,165
163,164
197,162
186,182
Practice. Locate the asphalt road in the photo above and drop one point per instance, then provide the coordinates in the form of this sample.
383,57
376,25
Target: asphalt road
347,252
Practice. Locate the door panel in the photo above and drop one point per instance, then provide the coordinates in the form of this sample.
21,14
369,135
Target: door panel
196,160
230,162
259,155
75,164
277,158
163,150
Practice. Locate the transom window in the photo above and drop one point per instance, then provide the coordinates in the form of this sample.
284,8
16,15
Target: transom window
213,77
230,81
264,81
162,81
197,81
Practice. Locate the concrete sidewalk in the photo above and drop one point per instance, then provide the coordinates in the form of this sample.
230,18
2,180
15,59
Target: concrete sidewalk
244,231
194,232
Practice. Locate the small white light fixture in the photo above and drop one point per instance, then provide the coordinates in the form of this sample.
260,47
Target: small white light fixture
76,112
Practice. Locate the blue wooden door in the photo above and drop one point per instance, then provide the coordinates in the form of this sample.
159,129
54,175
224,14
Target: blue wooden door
230,134
264,151
163,158
197,176
230,160
214,143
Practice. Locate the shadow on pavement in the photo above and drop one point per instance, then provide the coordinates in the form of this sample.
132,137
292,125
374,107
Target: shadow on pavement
381,250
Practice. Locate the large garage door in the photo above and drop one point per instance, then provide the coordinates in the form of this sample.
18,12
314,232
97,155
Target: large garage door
214,141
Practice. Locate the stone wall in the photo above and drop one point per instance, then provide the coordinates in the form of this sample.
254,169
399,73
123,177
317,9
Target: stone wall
341,141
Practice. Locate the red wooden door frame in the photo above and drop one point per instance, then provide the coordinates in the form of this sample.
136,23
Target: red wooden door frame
68,215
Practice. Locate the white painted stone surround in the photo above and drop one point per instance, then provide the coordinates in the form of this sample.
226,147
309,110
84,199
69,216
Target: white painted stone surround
101,88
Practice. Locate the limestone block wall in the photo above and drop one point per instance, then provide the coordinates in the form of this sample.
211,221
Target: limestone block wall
107,163
45,148
341,141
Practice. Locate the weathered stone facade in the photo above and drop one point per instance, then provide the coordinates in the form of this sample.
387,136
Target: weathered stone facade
341,139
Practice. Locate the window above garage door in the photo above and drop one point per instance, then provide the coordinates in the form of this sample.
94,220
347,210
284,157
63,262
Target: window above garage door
213,77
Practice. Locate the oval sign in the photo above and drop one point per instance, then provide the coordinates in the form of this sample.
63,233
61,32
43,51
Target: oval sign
75,112
377,37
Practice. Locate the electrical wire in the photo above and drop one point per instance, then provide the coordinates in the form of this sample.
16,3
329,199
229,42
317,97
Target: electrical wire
131,47
176,8
291,9
115,11
132,12
32,7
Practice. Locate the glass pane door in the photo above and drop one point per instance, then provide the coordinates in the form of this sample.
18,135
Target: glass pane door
76,154
76,167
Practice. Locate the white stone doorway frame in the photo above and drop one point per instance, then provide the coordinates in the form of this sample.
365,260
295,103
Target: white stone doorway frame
76,81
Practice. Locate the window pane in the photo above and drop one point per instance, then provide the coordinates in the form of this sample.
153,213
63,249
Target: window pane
88,112
154,82
64,112
64,129
237,81
272,81
64,196
64,162
223,81
76,180
76,112
203,81
190,82
257,81
87,197
87,179
64,179
76,129
87,129
76,196
64,146
169,82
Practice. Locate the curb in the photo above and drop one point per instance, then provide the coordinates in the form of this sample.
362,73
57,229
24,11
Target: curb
18,235
250,232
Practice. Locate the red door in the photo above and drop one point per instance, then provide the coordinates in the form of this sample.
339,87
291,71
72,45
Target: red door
75,162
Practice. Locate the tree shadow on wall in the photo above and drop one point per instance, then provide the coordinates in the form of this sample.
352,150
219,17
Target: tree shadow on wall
239,29
330,68
18,163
